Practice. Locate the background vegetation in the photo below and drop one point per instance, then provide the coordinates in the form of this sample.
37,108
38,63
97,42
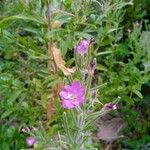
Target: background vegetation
122,33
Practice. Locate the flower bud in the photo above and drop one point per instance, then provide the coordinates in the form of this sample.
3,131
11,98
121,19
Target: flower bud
92,66
110,106
83,46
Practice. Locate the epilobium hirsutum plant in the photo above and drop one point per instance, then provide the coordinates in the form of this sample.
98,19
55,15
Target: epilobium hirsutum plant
77,99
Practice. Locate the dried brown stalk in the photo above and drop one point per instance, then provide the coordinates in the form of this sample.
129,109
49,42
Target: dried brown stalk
55,62
51,62
51,65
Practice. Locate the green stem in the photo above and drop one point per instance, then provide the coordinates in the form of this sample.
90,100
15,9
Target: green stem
70,79
66,127
88,57
77,64
89,81
73,116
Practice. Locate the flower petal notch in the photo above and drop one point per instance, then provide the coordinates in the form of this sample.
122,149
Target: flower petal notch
60,63
72,95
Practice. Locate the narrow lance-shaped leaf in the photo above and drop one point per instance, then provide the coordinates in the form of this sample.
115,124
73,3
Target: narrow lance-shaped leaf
23,17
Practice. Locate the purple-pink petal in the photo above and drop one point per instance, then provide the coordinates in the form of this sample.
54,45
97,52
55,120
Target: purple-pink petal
67,104
30,141
83,46
72,95
63,94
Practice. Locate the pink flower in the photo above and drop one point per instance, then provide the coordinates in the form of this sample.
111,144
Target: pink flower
30,141
83,46
73,95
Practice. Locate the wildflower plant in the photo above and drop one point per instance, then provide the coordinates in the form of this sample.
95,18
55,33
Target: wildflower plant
82,112
77,101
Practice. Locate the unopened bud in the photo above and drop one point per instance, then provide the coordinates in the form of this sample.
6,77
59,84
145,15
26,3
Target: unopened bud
83,46
110,106
92,66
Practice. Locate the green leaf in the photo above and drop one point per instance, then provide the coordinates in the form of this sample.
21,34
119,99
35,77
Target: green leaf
67,3
23,17
44,99
6,113
103,53
107,41
101,67
13,96
82,34
138,93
